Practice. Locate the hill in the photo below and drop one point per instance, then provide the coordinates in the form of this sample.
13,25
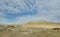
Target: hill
42,25
31,29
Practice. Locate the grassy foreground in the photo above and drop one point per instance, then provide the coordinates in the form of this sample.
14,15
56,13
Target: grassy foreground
32,29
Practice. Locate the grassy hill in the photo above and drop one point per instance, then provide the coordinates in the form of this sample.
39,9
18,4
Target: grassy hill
39,23
31,29
42,25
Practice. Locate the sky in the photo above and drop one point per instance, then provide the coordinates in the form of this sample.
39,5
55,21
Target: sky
23,11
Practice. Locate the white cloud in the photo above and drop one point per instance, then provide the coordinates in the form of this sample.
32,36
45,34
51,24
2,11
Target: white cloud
18,6
14,6
46,9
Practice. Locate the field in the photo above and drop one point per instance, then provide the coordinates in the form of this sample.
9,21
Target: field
32,29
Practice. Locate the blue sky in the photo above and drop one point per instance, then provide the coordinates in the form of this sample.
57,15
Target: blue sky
23,11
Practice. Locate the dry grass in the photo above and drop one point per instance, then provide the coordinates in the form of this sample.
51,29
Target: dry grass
40,29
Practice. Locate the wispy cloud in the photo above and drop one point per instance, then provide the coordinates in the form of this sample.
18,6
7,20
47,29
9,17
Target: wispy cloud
21,11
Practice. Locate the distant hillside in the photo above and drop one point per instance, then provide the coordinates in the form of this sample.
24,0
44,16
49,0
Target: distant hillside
39,23
32,25
31,29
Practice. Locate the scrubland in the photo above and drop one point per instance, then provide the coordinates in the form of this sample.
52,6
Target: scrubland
31,29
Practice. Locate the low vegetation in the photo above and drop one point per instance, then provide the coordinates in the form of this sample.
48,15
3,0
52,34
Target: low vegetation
34,31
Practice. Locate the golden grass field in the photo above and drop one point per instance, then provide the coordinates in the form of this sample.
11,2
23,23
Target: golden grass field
31,29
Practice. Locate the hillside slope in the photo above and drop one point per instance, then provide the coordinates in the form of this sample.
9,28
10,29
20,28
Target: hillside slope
31,29
42,25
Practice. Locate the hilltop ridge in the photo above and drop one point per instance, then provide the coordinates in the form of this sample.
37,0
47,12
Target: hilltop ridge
34,23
